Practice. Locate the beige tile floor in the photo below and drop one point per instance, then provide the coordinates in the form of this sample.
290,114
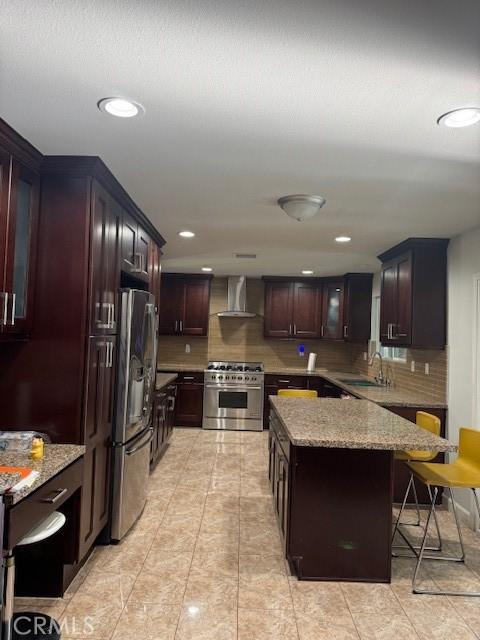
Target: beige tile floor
205,562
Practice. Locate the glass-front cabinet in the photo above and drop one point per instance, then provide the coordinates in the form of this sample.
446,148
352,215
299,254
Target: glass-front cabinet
332,316
19,219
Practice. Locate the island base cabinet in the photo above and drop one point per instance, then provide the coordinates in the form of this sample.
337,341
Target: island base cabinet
340,514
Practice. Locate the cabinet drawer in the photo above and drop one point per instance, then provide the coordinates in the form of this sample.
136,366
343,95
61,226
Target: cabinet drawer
42,502
286,381
190,377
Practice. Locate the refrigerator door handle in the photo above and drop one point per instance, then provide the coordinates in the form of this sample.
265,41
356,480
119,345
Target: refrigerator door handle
130,452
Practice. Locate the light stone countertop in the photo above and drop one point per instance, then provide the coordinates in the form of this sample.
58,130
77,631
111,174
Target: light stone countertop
351,424
162,379
57,458
181,367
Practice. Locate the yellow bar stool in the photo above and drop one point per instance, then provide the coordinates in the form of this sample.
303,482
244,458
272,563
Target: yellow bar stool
431,423
463,473
298,393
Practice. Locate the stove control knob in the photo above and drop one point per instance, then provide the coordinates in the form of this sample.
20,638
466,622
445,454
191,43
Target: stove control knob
247,377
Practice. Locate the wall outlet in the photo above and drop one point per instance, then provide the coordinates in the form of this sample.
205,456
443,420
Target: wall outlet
187,348
412,366
427,369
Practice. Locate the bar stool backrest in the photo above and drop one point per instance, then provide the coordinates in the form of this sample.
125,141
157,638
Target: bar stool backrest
429,422
469,447
298,393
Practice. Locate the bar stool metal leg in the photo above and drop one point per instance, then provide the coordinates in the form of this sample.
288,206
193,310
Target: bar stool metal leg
421,556
8,596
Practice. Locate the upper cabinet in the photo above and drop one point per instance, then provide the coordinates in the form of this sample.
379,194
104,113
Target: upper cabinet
413,294
19,203
184,306
154,271
328,308
134,248
292,308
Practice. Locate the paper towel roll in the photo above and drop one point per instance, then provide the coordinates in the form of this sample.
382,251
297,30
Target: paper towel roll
312,357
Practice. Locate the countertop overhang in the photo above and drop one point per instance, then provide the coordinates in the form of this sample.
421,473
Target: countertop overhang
57,458
351,424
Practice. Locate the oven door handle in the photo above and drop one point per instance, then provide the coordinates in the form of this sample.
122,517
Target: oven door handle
221,387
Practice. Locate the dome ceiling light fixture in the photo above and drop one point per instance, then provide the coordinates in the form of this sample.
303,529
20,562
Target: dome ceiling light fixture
301,206
460,117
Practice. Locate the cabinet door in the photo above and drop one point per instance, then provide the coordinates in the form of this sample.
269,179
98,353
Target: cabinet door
388,300
20,252
196,296
278,321
271,459
332,315
129,261
105,278
402,331
171,305
282,493
98,429
306,310
357,307
189,406
154,268
5,172
142,250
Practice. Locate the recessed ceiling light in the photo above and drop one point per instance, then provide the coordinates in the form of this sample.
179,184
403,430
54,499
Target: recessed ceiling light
207,269
460,117
307,272
121,107
186,234
342,239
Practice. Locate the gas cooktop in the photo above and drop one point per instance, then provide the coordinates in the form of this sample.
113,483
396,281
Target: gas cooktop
256,367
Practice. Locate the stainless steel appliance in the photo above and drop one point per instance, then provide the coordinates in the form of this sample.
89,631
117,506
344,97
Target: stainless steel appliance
233,396
132,434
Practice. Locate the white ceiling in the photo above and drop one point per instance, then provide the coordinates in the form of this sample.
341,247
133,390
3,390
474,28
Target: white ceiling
250,100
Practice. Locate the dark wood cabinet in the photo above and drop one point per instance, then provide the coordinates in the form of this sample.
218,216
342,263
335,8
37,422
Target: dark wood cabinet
357,307
159,424
189,400
19,204
105,234
413,294
332,310
292,309
154,268
134,248
97,439
184,306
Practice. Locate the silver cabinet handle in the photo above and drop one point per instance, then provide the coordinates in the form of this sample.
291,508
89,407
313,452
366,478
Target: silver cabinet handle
109,315
181,326
284,381
111,354
189,377
5,306
14,298
388,330
345,331
113,314
176,326
322,331
294,329
58,493
171,403
290,329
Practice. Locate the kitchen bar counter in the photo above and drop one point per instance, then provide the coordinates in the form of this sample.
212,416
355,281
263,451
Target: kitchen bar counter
181,367
351,424
163,379
331,467
57,458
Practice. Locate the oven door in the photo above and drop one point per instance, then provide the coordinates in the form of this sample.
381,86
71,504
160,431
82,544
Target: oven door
233,401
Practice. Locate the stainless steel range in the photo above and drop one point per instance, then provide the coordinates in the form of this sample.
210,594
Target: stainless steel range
233,396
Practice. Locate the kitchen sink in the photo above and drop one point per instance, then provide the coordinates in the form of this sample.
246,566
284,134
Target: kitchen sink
360,383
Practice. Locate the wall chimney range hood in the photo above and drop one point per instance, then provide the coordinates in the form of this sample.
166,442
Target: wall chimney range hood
236,299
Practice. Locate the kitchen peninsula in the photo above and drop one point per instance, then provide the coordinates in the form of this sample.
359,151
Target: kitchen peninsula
331,473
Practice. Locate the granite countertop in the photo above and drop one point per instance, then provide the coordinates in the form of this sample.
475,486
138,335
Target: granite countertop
57,457
163,379
384,396
181,367
351,424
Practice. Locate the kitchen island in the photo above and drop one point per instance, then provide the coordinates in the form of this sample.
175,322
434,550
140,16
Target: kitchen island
331,473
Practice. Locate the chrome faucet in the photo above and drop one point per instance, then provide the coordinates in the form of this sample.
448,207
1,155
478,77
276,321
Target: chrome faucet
380,378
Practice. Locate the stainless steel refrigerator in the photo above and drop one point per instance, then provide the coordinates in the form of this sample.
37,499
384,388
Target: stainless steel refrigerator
135,383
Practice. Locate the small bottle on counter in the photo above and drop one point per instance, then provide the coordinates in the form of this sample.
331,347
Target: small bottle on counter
37,450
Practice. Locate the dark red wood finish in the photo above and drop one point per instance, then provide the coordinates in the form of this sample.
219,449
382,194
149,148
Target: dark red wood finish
357,305
189,400
413,296
185,304
278,309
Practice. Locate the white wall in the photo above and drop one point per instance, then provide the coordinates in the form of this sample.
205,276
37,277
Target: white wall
463,266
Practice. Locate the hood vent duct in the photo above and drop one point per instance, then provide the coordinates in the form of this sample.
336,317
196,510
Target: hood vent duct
237,299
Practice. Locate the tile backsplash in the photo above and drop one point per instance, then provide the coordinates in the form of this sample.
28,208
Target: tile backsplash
242,339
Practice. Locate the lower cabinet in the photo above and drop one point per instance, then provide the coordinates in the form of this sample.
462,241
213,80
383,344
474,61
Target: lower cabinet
401,473
189,400
98,432
159,423
279,473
